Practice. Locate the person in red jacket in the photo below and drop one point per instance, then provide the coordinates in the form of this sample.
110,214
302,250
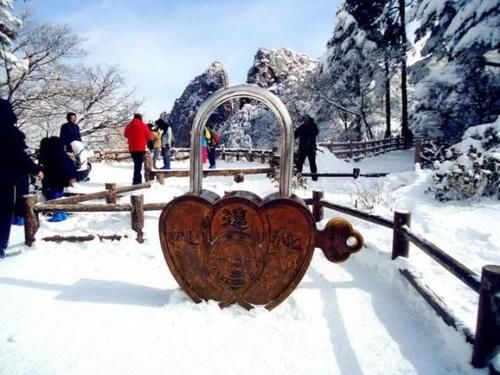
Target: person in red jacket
138,135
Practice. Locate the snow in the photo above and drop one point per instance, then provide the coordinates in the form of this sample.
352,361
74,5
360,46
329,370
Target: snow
113,307
415,53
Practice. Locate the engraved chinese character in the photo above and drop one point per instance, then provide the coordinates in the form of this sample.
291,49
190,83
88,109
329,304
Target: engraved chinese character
236,218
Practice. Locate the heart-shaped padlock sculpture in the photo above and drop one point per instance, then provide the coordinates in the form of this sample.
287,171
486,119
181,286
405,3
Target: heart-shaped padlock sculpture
241,248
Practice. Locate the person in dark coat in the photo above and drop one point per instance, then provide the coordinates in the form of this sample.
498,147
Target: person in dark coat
307,133
59,171
14,162
70,132
22,187
138,135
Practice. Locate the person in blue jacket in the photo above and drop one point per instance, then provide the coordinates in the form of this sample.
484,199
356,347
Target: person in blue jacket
14,162
70,132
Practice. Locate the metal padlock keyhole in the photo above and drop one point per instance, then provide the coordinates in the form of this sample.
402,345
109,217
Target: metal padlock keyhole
241,248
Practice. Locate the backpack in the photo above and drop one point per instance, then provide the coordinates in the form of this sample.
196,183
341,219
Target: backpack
212,137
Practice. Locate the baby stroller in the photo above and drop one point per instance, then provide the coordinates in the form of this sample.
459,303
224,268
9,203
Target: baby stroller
82,155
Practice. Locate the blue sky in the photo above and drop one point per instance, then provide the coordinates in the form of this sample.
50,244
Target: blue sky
161,45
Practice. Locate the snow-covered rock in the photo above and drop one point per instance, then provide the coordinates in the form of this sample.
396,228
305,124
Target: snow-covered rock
284,72
199,89
470,168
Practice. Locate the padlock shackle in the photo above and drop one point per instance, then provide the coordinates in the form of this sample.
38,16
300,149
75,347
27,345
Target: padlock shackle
243,91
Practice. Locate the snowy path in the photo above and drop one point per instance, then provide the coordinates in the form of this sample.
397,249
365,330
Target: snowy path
113,307
102,308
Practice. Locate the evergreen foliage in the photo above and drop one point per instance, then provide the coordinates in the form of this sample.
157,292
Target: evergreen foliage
471,168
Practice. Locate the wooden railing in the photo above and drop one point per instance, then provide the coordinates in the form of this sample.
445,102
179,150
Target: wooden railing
363,149
182,153
487,337
345,150
71,204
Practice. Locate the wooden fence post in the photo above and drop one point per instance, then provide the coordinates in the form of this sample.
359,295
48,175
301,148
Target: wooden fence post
160,177
31,223
418,151
148,167
111,195
317,208
400,244
262,157
137,216
488,317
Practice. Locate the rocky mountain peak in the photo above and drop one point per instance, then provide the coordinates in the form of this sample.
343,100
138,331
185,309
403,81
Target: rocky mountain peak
198,90
272,67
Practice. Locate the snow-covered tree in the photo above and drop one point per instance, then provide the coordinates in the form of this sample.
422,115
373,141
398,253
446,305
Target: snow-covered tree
345,80
470,168
52,84
9,24
456,84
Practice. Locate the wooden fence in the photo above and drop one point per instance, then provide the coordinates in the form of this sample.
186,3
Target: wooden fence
182,153
363,149
344,150
486,339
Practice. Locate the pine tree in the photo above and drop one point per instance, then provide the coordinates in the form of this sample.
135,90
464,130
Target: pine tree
456,86
346,79
8,26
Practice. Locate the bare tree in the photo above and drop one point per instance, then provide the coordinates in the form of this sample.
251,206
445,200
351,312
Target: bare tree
50,85
42,50
100,97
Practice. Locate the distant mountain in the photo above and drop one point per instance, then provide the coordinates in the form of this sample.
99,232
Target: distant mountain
282,71
199,89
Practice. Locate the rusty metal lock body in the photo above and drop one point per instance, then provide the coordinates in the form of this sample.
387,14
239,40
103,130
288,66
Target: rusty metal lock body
241,248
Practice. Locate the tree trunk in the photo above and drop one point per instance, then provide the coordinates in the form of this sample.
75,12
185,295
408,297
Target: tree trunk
387,99
404,93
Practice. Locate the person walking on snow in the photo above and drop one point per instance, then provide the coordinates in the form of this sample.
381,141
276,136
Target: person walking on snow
307,133
14,162
70,132
138,135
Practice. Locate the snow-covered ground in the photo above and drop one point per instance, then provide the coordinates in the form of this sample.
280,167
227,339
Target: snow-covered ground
113,307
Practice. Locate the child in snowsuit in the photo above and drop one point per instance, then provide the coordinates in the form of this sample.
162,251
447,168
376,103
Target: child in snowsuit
59,171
